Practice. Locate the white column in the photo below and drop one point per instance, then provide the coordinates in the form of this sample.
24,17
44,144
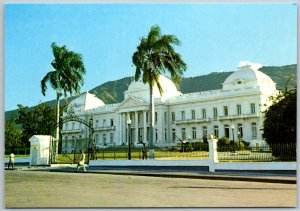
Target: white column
213,153
136,126
123,133
145,126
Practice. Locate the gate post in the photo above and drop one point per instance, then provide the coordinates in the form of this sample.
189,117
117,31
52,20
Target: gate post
213,153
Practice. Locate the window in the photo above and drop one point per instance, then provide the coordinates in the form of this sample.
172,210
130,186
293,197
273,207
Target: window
193,114
73,125
182,115
240,131
148,133
173,117
66,126
226,130
225,110
194,133
183,134
204,113
104,138
253,130
104,123
204,131
239,109
111,138
140,134
173,134
156,135
97,123
165,117
97,139
111,122
216,131
147,117
215,112
252,105
155,118
165,134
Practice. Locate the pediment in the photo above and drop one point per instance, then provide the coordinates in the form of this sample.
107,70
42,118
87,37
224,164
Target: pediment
132,102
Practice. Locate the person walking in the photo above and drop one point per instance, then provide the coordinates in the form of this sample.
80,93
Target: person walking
11,161
81,161
144,152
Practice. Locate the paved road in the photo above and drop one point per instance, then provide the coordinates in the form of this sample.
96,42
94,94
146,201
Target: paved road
42,189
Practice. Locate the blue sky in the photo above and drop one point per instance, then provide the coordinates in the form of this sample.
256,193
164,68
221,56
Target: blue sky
215,37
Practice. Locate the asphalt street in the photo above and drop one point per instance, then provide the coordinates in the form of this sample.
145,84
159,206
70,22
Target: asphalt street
61,187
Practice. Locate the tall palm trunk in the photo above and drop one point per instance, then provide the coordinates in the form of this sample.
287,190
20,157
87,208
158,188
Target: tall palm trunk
57,127
151,117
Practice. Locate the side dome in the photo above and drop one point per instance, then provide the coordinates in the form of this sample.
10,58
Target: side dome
140,90
248,76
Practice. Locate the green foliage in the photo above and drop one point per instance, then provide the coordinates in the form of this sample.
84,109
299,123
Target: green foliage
67,76
12,135
199,146
224,144
38,121
280,121
223,141
284,152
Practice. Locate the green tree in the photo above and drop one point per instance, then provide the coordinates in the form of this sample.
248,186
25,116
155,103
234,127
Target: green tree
12,134
279,125
41,120
66,78
154,56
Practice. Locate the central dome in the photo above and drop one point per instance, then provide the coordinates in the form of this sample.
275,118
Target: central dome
140,90
249,76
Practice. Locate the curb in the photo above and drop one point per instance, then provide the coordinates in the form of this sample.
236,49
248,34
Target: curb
189,176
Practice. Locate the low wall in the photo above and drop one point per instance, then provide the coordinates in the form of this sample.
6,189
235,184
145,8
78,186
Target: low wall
131,163
256,166
212,166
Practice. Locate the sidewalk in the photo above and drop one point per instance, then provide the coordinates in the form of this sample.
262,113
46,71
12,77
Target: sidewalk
191,172
261,176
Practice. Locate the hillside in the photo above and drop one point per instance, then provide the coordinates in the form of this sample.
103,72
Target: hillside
113,91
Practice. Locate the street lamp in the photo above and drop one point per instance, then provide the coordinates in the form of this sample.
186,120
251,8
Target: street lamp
90,137
232,128
239,137
128,130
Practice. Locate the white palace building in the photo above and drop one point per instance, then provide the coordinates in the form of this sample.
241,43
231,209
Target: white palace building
235,111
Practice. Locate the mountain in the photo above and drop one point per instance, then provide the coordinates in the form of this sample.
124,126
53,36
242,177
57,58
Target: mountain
113,91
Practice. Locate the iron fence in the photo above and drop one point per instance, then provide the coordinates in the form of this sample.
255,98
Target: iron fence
267,153
18,151
279,152
160,153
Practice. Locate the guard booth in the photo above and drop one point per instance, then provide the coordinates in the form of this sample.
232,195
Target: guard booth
40,150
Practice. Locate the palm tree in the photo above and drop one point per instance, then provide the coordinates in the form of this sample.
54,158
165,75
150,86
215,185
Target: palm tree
66,78
154,56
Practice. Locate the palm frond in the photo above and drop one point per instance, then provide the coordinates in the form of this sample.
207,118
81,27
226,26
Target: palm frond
69,69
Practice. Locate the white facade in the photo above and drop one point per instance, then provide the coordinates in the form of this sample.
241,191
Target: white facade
235,111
